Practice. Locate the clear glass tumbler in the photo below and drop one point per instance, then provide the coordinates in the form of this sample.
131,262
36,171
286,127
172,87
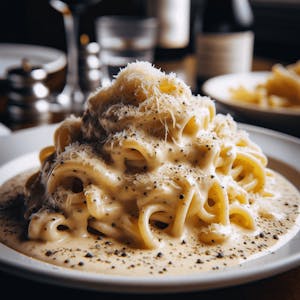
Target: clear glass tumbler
124,39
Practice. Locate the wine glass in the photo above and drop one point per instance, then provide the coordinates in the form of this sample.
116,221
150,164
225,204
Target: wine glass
72,98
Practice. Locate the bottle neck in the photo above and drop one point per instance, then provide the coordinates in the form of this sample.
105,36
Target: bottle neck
226,16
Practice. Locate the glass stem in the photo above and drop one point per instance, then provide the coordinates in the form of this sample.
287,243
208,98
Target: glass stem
71,22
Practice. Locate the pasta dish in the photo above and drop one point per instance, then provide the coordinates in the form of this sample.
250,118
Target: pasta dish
280,89
146,154
149,166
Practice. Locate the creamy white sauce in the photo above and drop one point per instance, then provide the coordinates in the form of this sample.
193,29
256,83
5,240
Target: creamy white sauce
99,254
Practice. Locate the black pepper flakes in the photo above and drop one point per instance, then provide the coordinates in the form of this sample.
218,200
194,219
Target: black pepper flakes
49,253
89,254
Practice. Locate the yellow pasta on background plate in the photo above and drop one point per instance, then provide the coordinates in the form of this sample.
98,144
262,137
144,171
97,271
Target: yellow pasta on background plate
280,89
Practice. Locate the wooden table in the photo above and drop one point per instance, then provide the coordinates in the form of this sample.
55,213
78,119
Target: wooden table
281,287
277,287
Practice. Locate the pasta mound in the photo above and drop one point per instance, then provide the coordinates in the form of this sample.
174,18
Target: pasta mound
146,159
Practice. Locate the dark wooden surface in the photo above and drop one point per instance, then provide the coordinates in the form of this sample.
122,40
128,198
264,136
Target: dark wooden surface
280,287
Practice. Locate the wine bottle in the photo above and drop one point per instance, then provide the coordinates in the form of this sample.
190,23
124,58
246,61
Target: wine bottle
174,27
224,38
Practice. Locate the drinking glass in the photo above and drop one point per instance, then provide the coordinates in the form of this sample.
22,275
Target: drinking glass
72,97
124,39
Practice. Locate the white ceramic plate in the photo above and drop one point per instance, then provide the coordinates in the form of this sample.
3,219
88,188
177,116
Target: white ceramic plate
218,87
11,55
19,151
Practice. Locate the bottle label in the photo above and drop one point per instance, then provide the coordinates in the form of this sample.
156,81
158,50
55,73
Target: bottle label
219,54
174,22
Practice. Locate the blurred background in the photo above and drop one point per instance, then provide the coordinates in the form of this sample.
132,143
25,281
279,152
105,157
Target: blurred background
276,28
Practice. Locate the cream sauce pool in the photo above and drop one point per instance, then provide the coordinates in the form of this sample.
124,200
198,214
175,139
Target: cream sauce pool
99,254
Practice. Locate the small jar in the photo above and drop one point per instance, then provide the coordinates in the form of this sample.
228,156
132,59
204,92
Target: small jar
27,94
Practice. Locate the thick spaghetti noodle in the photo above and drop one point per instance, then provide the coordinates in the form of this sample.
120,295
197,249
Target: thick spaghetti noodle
146,157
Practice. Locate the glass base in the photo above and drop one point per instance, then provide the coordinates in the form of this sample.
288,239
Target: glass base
69,101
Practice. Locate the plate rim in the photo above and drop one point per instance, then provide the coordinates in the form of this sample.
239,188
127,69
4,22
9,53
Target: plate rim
168,284
64,277
51,67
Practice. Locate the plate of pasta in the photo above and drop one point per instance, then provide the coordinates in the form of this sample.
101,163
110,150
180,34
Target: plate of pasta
150,190
269,98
